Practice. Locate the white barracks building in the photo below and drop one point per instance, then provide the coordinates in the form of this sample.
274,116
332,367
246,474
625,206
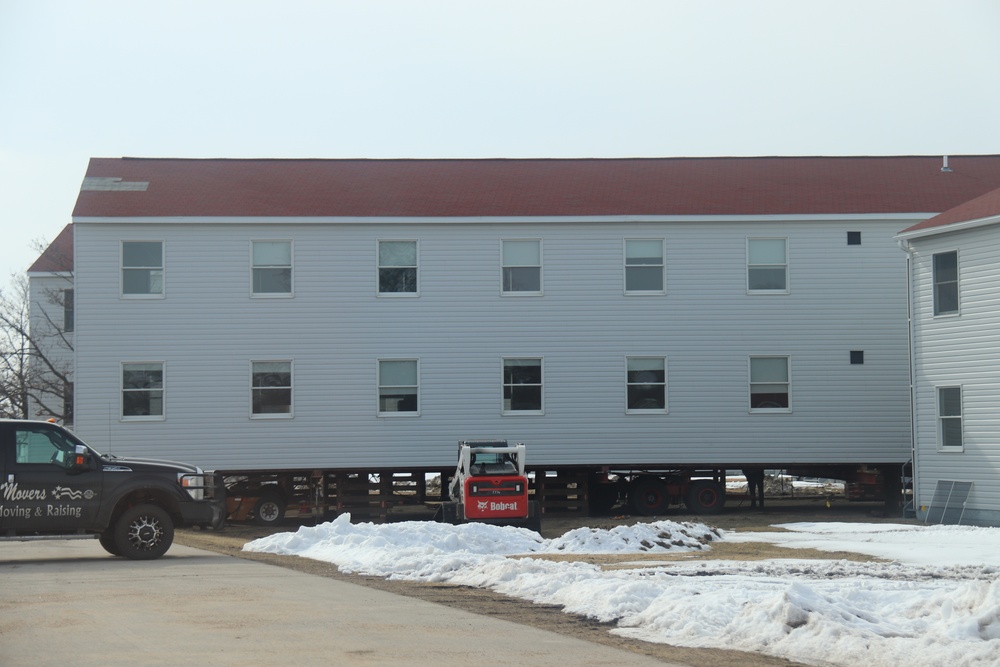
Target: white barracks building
610,313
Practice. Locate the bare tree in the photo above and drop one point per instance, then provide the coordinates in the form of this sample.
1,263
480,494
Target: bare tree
36,350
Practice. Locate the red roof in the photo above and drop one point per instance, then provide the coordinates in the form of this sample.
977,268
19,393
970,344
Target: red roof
58,257
985,206
532,187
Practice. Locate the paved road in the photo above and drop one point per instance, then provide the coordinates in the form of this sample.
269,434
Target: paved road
69,603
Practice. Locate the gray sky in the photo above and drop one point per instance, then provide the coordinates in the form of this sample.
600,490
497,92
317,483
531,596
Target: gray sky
477,78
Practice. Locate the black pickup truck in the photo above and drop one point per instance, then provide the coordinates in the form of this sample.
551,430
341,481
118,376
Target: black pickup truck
54,486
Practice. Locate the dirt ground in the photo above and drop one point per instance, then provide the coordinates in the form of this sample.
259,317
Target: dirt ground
737,516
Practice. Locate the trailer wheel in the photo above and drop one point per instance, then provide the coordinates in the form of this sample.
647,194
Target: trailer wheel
648,496
602,496
705,496
269,510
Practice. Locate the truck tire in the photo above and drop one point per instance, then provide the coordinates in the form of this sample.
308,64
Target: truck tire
269,510
648,496
144,532
107,540
705,496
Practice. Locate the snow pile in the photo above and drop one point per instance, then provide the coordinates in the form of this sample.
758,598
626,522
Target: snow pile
937,603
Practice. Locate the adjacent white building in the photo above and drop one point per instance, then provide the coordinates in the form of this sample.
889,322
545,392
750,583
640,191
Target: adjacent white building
955,301
348,314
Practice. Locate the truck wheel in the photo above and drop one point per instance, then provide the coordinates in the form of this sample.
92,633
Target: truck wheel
269,510
648,496
705,496
107,540
144,532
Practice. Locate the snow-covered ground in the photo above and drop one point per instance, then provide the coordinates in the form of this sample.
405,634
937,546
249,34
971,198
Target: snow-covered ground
935,602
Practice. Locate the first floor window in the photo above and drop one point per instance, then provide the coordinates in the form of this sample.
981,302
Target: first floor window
767,265
769,383
142,390
522,385
521,267
271,388
949,410
646,383
397,267
398,386
272,268
142,268
946,283
643,266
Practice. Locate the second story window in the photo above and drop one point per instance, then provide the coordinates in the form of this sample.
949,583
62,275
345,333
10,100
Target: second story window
946,283
397,268
521,267
142,268
767,266
272,268
69,311
644,266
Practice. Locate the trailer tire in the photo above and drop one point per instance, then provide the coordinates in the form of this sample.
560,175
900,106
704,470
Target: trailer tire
144,532
649,496
602,496
705,496
269,510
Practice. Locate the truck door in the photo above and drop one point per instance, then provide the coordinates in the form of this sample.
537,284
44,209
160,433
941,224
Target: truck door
40,491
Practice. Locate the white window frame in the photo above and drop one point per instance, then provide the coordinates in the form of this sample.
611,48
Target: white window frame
291,390
504,384
662,265
161,268
163,392
393,414
540,266
957,282
785,265
646,411
787,383
940,418
290,266
379,267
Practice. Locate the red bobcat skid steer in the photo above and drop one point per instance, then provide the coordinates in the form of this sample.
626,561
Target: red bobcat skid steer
490,486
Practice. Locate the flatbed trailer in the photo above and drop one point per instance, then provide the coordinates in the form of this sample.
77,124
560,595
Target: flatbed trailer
373,494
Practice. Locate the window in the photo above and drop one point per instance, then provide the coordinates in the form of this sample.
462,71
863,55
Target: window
521,267
397,267
142,268
37,445
69,311
769,384
949,410
271,388
142,390
68,403
272,268
644,266
946,283
646,384
767,266
522,385
853,238
398,387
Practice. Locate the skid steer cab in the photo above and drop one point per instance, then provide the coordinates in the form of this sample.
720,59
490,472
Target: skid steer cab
490,486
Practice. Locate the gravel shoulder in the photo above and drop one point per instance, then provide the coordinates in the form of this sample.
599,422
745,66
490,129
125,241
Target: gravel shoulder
231,539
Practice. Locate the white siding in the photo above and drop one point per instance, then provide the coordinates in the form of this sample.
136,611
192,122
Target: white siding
960,350
46,297
207,328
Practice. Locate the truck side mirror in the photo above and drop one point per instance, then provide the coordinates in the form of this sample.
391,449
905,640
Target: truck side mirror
80,459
